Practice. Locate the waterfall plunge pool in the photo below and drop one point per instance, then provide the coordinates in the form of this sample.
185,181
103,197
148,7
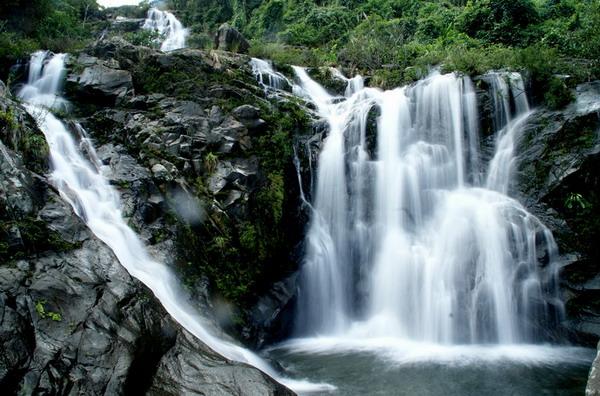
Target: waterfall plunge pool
392,366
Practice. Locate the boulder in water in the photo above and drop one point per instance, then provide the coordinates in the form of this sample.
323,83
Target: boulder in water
229,39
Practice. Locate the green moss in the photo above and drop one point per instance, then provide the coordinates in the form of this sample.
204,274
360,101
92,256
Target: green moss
40,308
35,152
210,162
557,95
7,120
35,238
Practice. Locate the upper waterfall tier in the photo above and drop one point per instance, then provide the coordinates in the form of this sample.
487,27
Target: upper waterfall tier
413,238
169,27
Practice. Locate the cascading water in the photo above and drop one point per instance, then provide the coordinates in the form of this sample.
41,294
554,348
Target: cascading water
169,27
267,77
81,183
446,256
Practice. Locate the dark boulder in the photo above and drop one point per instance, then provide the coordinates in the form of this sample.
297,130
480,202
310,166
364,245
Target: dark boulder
249,116
272,317
229,39
100,82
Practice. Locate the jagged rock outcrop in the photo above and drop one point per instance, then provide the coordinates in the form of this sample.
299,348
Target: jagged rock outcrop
72,320
229,39
100,81
559,158
207,136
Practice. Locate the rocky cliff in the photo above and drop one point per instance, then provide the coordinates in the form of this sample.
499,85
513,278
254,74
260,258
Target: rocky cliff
184,152
558,179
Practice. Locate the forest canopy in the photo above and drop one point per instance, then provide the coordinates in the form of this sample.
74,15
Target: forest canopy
471,36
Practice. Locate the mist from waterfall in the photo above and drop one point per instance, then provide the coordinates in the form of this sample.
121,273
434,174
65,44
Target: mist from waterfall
171,30
415,237
81,183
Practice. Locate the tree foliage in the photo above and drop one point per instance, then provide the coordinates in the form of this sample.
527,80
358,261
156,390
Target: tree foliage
57,25
370,34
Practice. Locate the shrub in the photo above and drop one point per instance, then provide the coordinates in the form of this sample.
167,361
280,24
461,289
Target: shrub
319,26
144,37
557,95
498,21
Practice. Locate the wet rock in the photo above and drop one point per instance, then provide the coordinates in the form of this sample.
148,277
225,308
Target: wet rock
593,384
73,321
229,39
15,184
101,83
160,172
126,54
239,174
271,319
230,136
249,116
557,179
207,373
3,89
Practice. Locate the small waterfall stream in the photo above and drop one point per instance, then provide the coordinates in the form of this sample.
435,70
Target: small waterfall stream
172,32
81,183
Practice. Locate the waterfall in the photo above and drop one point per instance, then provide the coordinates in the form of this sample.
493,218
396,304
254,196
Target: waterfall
81,183
412,239
168,26
266,76
508,126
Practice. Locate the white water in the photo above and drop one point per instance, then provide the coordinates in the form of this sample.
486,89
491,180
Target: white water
81,183
416,241
396,351
169,27
266,76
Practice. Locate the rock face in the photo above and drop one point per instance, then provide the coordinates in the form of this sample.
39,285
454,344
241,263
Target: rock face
558,179
229,39
72,320
593,385
100,81
219,182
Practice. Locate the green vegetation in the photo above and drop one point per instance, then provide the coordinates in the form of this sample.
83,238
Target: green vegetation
397,41
576,200
30,142
144,37
7,120
210,162
27,236
57,25
40,308
242,257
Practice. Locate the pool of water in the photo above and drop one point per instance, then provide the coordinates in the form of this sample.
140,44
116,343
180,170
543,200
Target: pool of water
392,367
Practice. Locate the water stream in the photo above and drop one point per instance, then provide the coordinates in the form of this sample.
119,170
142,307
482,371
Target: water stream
172,33
81,183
